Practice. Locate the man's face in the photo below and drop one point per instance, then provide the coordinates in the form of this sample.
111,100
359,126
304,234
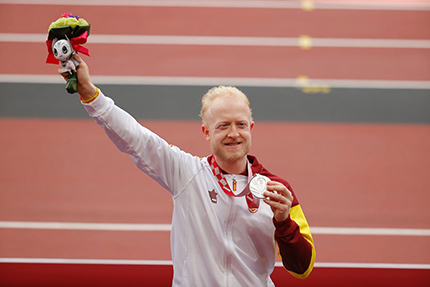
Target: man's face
228,128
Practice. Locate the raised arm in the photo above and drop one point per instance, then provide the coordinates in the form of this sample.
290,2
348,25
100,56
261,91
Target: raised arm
150,153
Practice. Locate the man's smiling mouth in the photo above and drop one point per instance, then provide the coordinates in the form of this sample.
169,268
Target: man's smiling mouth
232,144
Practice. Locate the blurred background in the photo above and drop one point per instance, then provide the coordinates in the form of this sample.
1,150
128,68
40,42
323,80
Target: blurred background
340,92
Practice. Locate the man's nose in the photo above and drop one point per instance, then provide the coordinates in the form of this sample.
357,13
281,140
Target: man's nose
233,132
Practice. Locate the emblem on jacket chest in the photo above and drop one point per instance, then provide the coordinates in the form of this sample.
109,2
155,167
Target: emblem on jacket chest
212,195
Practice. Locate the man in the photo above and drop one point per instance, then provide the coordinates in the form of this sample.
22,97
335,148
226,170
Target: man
221,234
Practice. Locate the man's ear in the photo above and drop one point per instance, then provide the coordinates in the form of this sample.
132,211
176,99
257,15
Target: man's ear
252,126
205,132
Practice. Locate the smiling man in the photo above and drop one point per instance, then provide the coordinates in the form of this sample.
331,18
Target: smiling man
222,234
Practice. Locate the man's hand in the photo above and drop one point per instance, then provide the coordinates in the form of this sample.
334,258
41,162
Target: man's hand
279,199
86,88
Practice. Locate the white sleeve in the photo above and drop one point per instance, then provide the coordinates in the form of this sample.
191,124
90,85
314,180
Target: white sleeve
168,165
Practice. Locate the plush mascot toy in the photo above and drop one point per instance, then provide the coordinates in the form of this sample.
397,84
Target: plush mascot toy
65,37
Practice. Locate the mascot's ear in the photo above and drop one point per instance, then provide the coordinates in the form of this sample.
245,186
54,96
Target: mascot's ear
53,47
53,42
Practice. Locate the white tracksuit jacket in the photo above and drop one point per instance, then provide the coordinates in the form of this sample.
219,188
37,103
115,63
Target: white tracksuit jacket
214,242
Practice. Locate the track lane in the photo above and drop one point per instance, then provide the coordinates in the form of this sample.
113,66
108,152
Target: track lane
77,244
373,24
230,61
368,173
154,245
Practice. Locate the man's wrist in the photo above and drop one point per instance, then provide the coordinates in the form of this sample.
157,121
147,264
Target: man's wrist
285,227
91,99
88,92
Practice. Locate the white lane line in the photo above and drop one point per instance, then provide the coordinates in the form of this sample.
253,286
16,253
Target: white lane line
304,4
211,81
370,231
85,261
169,262
369,265
85,226
167,227
231,41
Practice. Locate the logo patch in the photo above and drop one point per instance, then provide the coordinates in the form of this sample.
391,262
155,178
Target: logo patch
212,195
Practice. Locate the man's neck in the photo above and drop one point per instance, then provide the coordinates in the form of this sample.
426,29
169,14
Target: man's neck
232,167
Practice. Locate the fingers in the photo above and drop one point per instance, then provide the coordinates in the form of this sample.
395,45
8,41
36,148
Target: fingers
278,190
279,198
275,199
276,204
82,68
78,58
63,74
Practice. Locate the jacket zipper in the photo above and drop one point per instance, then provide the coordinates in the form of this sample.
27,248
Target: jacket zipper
228,235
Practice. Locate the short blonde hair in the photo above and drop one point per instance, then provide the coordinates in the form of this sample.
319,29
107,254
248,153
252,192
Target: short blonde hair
221,91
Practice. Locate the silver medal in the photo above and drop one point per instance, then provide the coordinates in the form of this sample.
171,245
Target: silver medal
258,185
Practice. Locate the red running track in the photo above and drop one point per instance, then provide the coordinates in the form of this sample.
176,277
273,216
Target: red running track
118,20
230,61
335,188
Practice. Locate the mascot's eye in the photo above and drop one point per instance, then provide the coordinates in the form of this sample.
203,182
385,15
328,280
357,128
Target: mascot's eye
65,50
55,52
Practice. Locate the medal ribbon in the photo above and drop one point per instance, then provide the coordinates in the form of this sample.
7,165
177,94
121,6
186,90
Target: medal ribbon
253,203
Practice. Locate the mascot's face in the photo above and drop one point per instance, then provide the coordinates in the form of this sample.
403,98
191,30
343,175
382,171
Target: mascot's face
62,50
